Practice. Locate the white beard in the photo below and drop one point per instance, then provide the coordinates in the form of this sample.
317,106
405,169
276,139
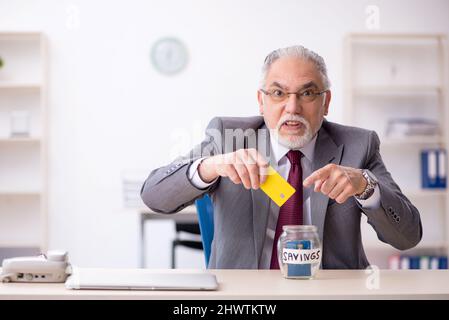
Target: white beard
290,141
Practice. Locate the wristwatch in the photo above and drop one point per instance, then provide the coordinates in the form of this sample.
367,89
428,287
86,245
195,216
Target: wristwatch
370,186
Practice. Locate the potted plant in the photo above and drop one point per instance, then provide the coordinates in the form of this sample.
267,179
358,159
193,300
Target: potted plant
1,62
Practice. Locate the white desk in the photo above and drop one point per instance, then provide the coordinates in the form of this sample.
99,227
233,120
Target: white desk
266,284
188,214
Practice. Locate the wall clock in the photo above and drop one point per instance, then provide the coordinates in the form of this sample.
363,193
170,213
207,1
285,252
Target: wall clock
169,56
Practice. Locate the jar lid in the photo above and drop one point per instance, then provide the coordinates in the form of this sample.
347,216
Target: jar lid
306,227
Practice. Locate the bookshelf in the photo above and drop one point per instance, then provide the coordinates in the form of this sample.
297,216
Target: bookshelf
23,144
393,76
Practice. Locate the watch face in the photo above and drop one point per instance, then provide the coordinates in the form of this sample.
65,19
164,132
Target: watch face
169,56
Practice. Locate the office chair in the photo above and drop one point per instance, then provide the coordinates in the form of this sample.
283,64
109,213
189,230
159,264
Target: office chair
205,211
204,227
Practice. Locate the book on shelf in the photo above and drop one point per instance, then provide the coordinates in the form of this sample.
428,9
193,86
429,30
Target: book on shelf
434,168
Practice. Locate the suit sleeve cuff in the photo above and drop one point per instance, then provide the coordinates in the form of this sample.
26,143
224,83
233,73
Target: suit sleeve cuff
195,178
372,202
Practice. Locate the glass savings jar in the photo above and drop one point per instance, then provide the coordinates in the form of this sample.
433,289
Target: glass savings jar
299,251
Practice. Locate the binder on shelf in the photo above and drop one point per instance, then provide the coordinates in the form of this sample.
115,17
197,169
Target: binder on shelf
433,168
394,262
442,169
434,263
414,263
424,263
404,262
442,263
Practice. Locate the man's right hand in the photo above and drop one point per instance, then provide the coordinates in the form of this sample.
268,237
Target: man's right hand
245,166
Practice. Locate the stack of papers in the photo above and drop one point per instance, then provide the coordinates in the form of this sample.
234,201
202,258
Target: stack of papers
400,128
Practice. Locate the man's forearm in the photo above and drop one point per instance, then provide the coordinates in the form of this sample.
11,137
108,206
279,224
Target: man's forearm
169,189
396,221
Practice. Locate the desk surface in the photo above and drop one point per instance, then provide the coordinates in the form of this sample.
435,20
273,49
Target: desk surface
187,210
267,284
188,214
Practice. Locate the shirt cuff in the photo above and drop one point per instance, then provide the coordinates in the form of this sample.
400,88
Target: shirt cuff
372,202
195,178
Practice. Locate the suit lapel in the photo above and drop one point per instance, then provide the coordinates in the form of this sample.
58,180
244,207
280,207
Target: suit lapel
326,151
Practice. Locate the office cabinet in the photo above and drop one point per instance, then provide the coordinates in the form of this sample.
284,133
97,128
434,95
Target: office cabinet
23,143
396,84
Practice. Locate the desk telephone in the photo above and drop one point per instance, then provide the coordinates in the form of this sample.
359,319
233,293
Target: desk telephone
50,267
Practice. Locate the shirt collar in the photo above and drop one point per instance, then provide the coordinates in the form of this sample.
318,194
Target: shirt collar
279,151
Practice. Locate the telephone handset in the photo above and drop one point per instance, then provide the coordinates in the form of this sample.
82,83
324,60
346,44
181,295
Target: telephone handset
50,267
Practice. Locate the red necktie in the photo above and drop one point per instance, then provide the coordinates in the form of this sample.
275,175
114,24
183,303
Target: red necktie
291,211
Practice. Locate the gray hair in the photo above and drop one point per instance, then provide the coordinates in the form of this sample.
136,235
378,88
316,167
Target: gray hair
300,52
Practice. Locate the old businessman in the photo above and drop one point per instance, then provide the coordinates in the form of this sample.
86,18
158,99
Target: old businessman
337,172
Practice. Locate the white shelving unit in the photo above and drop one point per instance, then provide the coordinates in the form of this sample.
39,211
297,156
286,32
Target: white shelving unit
392,76
23,158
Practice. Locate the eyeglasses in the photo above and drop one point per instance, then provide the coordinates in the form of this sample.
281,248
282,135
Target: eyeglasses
278,96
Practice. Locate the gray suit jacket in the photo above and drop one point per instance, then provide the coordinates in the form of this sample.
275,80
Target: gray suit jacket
240,215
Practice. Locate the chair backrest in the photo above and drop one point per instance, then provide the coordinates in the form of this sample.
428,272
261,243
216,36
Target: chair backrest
205,211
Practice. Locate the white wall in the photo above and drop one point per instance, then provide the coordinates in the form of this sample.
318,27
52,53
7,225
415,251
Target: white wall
111,111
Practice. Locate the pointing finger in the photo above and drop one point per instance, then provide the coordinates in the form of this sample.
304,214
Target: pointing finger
320,174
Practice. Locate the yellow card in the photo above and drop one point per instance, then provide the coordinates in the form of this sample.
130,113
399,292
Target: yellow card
277,188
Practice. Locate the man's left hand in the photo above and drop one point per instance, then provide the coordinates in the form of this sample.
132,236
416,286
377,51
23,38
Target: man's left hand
337,182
